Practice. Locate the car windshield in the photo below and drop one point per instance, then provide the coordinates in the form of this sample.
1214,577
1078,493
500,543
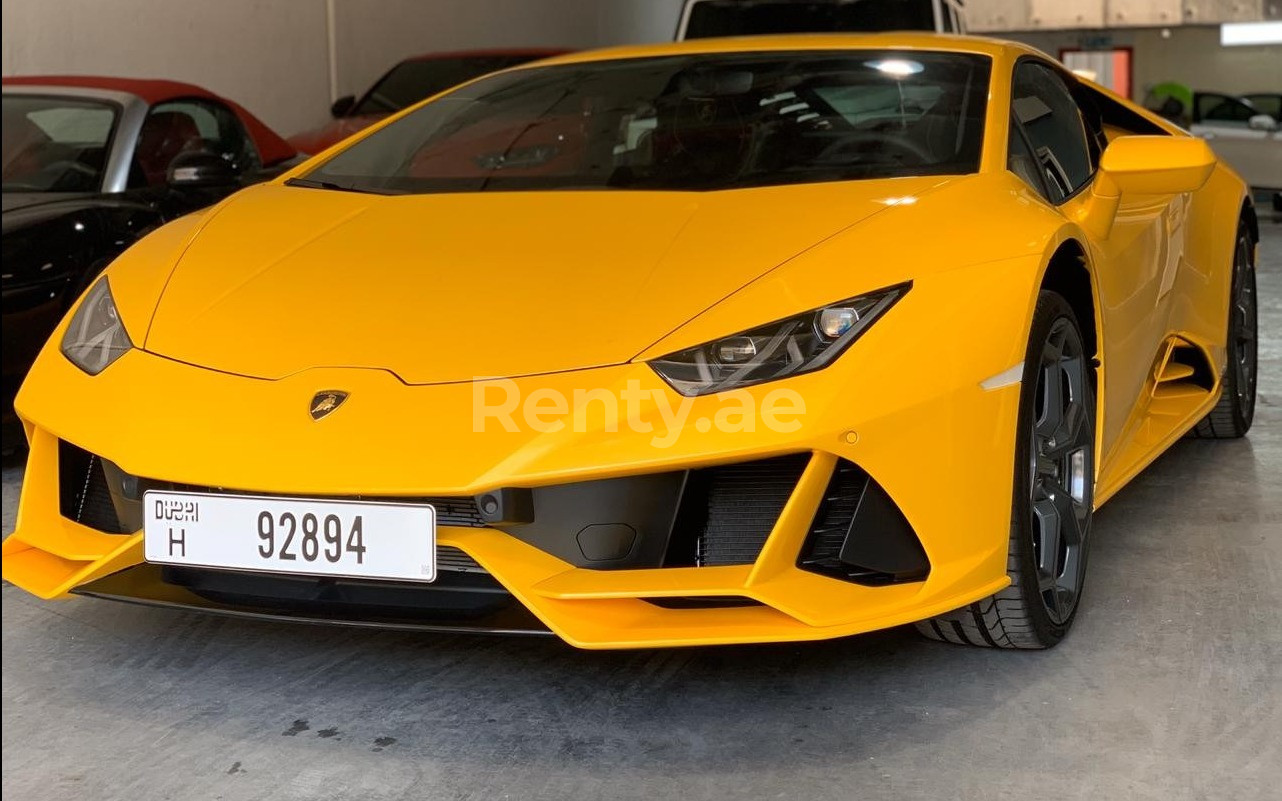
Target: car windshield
702,122
55,144
412,81
749,17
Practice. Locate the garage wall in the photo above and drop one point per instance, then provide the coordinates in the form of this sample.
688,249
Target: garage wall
371,35
273,56
268,55
1191,55
633,21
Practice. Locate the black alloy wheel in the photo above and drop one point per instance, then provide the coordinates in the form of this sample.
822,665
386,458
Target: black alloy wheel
1053,496
1232,416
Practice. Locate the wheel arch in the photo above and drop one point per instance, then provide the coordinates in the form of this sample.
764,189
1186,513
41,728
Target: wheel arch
1069,275
1248,216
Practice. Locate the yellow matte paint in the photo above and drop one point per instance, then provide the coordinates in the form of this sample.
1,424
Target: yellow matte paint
279,292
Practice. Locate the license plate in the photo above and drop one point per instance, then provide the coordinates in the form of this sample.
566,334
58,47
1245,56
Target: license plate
354,539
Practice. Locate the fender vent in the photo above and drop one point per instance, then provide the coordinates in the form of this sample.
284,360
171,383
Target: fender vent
1182,375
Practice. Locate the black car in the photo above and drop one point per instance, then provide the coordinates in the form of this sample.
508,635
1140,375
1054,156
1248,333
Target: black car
89,166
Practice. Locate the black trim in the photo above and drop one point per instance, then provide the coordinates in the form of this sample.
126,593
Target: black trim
860,535
703,602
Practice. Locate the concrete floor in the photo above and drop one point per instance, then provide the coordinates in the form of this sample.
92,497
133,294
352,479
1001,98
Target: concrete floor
1169,687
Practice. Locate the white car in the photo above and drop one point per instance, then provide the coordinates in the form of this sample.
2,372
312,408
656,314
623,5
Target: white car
1243,133
702,19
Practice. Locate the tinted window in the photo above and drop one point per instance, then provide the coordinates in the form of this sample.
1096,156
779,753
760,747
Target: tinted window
1021,161
412,81
1045,110
1267,104
55,144
685,122
1223,108
750,17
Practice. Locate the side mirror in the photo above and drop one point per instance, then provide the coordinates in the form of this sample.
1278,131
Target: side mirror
1156,165
201,169
1144,165
1262,122
342,106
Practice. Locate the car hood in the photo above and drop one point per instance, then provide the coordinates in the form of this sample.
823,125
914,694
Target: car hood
452,287
314,141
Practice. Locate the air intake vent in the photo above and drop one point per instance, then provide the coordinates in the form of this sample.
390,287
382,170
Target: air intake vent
86,497
859,534
459,512
83,494
726,513
836,514
456,561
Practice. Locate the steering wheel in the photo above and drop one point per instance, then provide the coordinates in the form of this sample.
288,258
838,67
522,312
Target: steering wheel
856,141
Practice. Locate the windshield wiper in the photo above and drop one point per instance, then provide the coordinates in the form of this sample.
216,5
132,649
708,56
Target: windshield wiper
312,183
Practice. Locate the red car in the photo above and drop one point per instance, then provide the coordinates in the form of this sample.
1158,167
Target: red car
410,81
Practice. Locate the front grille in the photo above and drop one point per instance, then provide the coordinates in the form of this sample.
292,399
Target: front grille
455,511
86,495
727,512
456,561
83,493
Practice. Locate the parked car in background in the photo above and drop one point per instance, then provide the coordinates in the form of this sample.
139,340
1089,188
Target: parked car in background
410,81
1244,133
91,164
703,19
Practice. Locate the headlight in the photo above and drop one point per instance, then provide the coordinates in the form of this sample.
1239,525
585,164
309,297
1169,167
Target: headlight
785,348
96,337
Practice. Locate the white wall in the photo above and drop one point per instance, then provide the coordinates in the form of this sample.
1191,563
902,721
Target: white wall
268,55
1190,55
636,21
372,35
273,56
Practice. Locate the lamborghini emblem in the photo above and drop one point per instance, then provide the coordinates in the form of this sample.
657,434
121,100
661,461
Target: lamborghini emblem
326,401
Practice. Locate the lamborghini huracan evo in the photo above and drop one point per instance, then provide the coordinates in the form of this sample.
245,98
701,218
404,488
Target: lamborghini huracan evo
713,342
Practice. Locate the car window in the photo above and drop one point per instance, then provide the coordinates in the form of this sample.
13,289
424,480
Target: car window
1021,161
1223,109
692,122
53,144
1046,112
186,126
1267,104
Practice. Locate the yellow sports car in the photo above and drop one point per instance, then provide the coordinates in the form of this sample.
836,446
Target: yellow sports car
724,341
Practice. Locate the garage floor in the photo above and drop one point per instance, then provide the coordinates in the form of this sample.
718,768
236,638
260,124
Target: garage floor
1169,688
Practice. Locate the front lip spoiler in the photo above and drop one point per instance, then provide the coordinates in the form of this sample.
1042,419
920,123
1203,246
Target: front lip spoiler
124,587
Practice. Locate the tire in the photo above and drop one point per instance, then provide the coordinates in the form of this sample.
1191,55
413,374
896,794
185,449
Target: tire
1053,497
1232,416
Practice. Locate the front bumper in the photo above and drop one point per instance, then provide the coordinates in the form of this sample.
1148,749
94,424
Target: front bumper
937,444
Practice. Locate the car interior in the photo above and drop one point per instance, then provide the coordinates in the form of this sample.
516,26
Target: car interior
35,162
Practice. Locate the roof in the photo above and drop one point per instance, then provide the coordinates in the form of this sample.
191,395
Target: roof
271,147
896,40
